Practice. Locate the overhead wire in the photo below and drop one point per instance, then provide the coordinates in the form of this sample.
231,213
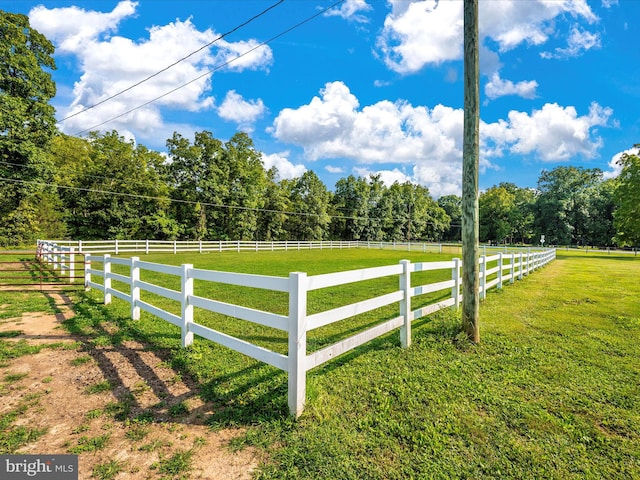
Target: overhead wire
193,202
217,67
111,97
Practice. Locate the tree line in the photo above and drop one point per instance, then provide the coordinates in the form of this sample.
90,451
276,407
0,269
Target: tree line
106,187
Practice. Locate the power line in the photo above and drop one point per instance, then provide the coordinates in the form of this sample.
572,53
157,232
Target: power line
174,63
194,202
218,67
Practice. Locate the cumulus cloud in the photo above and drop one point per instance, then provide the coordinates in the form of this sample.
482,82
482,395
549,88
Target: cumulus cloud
497,87
429,140
579,40
420,33
286,169
111,64
334,169
615,167
244,112
351,10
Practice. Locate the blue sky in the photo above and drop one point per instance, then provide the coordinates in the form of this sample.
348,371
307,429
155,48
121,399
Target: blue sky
368,86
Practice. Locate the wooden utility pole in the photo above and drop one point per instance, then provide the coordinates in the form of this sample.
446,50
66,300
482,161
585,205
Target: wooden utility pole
470,160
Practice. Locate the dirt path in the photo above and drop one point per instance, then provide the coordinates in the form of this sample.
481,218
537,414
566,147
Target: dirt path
121,408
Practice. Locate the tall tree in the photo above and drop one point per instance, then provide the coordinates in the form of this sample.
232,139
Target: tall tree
124,195
309,218
452,205
563,204
496,207
27,124
627,198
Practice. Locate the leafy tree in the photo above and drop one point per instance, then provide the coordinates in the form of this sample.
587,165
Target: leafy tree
452,205
124,196
351,205
627,200
496,206
27,124
221,186
309,218
416,216
563,204
273,217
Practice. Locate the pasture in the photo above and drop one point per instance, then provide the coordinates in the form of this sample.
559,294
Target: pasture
551,391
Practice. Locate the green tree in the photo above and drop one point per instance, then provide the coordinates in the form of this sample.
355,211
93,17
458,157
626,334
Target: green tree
627,200
310,200
220,187
496,207
563,206
351,205
452,205
27,124
123,193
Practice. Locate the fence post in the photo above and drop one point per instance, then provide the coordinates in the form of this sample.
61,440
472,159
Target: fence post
455,276
72,265
405,304
87,273
513,268
483,276
117,247
297,342
106,284
520,272
500,265
187,308
135,288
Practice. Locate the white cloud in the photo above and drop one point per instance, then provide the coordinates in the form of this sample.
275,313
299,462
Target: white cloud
332,169
497,87
388,177
351,10
420,33
111,64
553,133
72,28
429,140
237,109
285,168
578,41
615,167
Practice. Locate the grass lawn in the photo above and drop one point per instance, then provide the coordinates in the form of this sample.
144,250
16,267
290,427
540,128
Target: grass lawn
552,391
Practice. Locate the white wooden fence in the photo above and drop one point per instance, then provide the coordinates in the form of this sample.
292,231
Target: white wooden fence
118,247
495,270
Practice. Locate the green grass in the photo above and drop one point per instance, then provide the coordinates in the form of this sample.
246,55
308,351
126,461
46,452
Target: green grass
551,391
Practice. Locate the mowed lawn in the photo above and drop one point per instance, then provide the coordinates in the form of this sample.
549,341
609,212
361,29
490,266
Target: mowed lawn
552,391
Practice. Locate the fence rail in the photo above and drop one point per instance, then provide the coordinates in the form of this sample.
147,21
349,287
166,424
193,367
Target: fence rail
121,247
495,270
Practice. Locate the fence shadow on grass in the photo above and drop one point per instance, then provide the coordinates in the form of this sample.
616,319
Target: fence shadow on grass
228,389
127,357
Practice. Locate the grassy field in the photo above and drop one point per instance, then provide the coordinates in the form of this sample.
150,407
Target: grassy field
551,391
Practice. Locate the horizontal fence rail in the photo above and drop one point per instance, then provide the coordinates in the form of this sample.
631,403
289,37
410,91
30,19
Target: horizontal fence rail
121,247
495,270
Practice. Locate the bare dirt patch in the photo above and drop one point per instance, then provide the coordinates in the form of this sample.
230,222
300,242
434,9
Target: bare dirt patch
118,407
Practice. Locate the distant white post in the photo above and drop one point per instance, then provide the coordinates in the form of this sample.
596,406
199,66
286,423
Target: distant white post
405,304
483,277
455,276
500,265
107,279
72,265
187,308
513,268
135,288
297,342
87,273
